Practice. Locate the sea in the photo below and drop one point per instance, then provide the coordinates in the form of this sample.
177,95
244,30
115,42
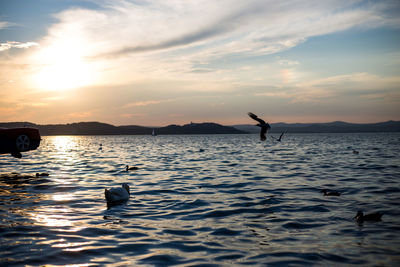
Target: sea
203,200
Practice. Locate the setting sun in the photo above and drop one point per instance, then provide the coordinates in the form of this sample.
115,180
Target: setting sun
62,67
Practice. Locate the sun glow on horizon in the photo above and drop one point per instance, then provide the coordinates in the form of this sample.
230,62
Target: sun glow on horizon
63,67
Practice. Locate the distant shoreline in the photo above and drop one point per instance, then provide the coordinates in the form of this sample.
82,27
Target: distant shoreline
98,128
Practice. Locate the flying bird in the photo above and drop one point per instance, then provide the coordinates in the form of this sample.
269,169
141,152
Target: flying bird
280,137
261,123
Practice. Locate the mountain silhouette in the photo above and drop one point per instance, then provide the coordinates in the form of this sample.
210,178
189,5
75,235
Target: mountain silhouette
98,128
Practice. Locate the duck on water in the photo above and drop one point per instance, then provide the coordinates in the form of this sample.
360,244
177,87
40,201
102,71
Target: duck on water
132,168
372,217
330,193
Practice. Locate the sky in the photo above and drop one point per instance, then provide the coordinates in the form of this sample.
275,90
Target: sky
155,63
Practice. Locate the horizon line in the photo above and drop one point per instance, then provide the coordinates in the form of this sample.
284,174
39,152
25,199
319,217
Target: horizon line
251,124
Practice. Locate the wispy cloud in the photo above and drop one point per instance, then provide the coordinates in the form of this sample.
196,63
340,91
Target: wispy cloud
5,24
79,115
136,40
288,63
145,103
12,44
334,88
131,115
216,27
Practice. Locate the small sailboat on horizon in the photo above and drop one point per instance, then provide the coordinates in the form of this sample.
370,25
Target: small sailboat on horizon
154,133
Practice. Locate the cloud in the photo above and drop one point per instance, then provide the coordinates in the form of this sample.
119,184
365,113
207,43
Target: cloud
79,115
12,44
361,82
145,103
131,115
288,63
337,88
5,24
215,27
128,41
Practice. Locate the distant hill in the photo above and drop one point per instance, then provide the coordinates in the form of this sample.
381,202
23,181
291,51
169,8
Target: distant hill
331,127
81,128
199,128
97,128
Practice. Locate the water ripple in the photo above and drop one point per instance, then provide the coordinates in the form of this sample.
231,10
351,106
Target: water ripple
202,201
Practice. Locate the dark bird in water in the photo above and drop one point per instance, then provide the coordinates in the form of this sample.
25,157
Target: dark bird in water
133,168
261,123
117,195
330,193
372,217
280,137
41,174
355,152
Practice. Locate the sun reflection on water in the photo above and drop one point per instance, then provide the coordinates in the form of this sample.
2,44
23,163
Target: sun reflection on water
51,220
72,265
56,217
61,197
63,143
71,246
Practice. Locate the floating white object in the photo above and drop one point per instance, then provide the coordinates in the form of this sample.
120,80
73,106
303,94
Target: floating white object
118,194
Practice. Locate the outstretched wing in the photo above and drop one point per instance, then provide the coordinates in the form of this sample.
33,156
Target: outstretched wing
280,137
254,117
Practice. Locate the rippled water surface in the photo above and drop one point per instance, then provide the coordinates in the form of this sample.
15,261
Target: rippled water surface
203,201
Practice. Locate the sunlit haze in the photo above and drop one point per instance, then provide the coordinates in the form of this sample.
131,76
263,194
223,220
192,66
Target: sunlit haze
155,63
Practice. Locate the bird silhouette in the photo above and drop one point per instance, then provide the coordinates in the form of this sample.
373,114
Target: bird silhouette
372,217
261,123
132,168
41,174
280,137
330,193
